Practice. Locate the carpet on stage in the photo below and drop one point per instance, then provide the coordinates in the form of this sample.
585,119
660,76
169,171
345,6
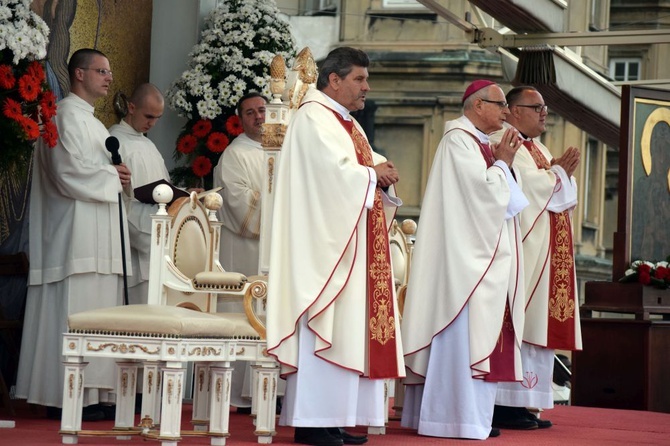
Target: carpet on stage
572,426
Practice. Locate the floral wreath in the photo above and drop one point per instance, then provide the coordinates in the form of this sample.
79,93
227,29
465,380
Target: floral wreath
649,273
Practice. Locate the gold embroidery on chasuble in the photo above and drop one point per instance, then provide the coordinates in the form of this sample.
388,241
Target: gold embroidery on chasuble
382,320
562,302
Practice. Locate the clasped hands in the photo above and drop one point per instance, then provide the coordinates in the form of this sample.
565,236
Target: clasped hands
506,149
387,174
568,161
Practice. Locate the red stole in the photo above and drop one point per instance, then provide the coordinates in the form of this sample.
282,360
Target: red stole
562,293
501,360
382,352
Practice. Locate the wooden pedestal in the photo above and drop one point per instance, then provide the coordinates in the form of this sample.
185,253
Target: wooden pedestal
625,363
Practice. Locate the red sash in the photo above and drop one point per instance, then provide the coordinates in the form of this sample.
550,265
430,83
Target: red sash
562,293
382,353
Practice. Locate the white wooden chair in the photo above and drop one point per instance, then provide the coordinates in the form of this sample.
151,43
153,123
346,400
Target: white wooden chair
177,326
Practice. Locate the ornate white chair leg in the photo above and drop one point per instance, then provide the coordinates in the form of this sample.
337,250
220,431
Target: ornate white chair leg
151,391
173,386
126,384
203,379
73,398
381,430
219,402
265,395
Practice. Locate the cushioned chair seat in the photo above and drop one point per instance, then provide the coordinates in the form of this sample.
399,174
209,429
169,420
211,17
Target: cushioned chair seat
162,320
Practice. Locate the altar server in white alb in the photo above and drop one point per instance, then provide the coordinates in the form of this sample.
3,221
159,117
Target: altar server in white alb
463,315
332,314
239,173
75,239
139,114
552,305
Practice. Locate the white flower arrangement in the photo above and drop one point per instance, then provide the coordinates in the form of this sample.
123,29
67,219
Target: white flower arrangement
649,273
239,40
22,31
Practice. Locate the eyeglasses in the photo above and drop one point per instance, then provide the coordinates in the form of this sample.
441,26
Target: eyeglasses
539,108
102,71
501,104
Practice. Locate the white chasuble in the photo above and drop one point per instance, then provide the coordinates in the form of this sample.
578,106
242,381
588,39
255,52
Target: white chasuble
318,257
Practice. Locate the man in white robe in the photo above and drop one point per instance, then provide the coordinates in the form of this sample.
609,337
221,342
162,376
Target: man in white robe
463,314
75,239
140,113
239,173
552,305
332,315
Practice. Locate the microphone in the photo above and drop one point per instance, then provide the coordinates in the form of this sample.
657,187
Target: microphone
112,144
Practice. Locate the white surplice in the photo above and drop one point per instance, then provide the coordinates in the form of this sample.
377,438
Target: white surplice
75,250
466,268
146,165
317,298
240,174
547,190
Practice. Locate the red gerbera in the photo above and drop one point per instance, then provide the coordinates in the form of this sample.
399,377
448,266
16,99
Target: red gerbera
30,127
35,69
202,166
234,126
187,143
50,133
202,128
7,79
217,142
12,109
29,87
48,105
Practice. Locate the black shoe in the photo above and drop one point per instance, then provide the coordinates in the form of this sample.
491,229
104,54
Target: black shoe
109,411
541,424
316,436
346,437
494,432
243,410
92,413
505,417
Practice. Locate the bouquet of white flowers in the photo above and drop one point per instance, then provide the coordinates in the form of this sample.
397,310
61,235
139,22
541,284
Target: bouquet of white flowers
238,42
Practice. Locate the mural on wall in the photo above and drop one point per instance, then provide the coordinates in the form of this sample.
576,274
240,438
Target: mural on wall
119,28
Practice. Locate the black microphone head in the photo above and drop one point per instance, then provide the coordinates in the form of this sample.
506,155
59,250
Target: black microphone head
112,144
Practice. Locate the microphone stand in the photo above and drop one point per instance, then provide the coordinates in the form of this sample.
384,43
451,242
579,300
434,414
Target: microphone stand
112,145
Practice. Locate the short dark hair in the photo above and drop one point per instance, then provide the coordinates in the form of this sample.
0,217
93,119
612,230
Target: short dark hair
513,96
251,94
341,61
82,59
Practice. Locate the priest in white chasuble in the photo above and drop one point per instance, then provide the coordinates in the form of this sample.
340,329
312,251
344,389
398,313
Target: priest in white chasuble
140,113
552,304
463,315
75,239
332,314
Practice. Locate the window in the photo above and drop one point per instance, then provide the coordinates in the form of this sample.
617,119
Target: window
402,4
622,70
592,181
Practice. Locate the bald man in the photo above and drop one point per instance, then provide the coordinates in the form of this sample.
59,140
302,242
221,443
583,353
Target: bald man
139,114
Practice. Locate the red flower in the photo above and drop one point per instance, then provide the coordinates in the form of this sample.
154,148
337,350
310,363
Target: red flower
187,143
644,277
662,273
48,105
35,69
7,79
30,127
202,166
644,268
217,142
50,133
201,128
12,109
234,126
29,87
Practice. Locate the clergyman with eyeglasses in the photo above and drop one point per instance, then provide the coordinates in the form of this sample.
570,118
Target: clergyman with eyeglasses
552,310
463,316
75,241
